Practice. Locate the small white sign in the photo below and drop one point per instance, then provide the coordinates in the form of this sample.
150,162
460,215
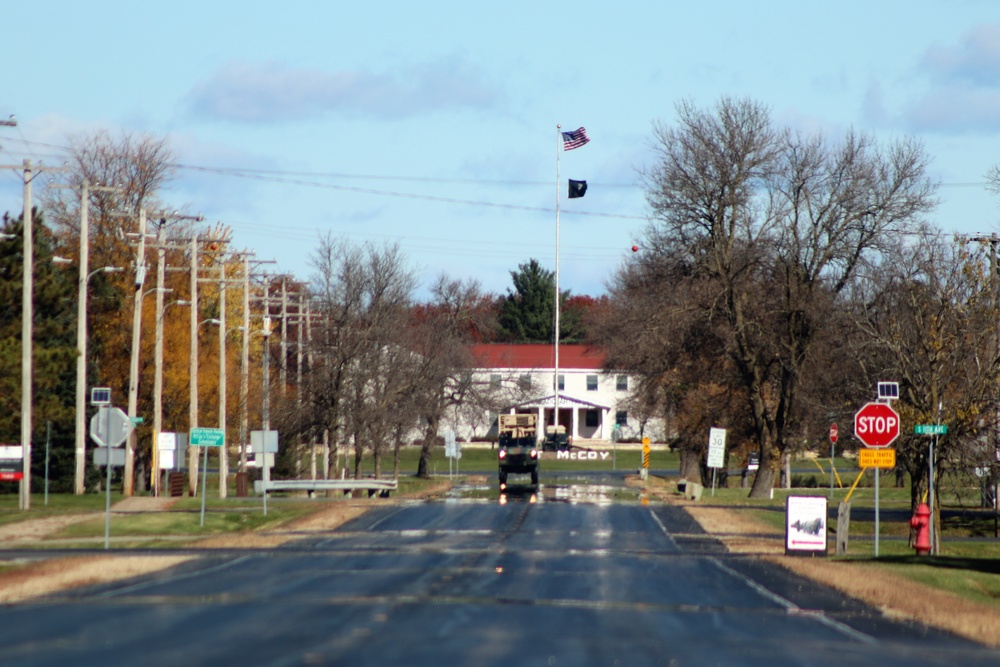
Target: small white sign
265,441
805,524
11,452
717,448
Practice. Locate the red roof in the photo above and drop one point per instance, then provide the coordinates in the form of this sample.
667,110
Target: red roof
535,356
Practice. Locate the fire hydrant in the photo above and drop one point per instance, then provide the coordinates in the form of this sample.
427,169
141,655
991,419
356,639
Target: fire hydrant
921,523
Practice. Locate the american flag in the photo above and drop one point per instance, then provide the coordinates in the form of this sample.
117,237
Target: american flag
574,139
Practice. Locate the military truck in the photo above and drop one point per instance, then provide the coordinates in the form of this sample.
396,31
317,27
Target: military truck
556,439
518,447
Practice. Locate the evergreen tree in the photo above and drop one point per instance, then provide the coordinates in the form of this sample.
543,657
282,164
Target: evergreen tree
527,314
53,354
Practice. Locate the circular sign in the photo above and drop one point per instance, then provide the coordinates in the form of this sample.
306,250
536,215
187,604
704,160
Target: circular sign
876,424
833,433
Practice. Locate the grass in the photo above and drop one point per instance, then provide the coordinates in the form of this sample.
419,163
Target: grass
969,568
177,522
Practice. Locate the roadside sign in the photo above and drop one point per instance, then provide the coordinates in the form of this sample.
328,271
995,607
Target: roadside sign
101,456
110,427
877,458
834,432
876,424
207,437
264,441
805,525
930,429
11,463
716,448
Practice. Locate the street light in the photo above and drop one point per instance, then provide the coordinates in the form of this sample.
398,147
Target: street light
81,369
158,390
193,401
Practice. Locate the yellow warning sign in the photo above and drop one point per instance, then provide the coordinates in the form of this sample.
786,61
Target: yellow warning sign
877,458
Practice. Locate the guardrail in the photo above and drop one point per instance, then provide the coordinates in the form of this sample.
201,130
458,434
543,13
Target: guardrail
382,487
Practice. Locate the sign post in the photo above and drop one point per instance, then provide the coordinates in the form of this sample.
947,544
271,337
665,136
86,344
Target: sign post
834,433
110,427
205,438
716,451
876,425
933,430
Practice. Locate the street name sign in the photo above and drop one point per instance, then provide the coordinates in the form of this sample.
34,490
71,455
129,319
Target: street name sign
207,437
930,429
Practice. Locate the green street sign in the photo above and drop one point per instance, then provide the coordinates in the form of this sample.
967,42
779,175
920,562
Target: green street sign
930,429
207,437
135,420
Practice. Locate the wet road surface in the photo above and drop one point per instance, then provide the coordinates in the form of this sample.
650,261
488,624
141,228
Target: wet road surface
559,577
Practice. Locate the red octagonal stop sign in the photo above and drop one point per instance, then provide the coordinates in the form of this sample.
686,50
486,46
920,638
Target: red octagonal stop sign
876,424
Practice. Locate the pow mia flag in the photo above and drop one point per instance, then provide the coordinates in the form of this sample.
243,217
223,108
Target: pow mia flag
577,188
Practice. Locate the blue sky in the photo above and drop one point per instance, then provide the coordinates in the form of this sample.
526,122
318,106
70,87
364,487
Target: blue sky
433,124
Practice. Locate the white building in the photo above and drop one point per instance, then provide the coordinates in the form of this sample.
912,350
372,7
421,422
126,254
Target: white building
592,402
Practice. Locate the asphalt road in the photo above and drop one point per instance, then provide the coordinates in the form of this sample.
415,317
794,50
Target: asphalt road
477,583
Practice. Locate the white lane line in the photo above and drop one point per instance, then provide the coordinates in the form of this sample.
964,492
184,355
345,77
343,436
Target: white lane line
793,608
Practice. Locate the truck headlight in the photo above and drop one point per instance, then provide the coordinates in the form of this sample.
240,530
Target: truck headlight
503,453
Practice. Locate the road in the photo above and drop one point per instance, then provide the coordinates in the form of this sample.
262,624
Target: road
477,582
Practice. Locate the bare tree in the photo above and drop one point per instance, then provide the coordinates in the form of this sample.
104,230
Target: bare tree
775,225
929,317
364,293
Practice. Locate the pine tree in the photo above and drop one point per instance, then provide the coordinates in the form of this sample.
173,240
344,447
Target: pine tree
53,353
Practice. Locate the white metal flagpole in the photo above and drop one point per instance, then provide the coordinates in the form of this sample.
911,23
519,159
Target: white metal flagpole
555,383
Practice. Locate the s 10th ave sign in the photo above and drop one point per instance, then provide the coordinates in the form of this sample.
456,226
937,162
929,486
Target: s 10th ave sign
876,425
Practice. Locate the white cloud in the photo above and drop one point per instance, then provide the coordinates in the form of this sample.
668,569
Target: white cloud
961,92
270,92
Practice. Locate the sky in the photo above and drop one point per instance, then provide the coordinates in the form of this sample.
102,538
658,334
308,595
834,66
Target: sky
434,125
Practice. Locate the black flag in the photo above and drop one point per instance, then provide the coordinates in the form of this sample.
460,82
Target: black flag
577,188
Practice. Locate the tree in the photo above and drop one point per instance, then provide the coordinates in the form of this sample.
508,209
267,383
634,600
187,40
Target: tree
928,316
527,314
774,225
53,351
362,293
442,338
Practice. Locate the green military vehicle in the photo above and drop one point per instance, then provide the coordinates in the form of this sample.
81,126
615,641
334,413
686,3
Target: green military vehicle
518,447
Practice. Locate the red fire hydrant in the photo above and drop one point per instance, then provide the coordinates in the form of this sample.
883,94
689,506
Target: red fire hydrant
921,522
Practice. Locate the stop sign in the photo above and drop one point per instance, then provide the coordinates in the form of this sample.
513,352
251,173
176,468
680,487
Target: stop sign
876,424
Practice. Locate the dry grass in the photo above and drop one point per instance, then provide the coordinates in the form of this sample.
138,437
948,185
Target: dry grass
46,577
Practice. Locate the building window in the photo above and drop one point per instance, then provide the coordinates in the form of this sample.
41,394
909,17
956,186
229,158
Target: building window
621,383
593,418
621,417
591,383
524,382
562,382
495,380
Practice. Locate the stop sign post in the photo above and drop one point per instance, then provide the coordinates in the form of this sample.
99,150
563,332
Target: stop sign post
876,425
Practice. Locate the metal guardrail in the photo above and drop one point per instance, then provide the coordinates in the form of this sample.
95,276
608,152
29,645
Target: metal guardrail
373,486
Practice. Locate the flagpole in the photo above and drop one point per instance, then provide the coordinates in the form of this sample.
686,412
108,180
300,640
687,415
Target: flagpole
555,384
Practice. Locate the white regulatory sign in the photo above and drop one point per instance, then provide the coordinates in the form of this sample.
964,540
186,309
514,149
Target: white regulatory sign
717,448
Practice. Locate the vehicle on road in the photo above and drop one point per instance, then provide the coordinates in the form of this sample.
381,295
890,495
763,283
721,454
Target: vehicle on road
556,439
518,447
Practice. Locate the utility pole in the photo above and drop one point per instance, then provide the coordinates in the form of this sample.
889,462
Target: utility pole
27,325
133,377
81,333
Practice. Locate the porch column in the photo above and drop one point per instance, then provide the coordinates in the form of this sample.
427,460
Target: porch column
576,422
